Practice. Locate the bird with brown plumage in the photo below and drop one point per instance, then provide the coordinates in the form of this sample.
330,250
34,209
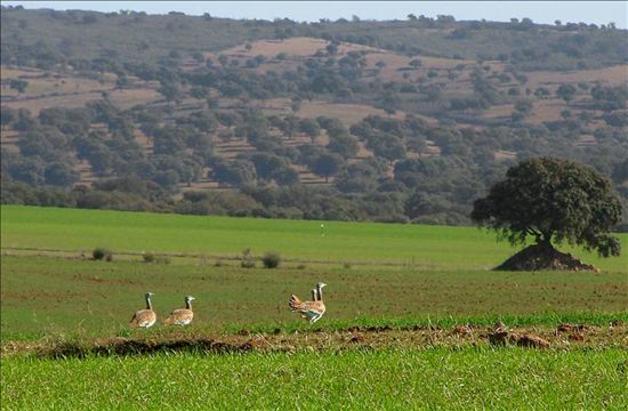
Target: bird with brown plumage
145,318
309,310
182,316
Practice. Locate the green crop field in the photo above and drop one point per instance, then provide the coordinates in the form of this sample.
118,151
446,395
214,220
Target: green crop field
409,379
427,247
394,294
43,295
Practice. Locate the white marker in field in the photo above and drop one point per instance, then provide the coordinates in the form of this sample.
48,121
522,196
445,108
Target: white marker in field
322,230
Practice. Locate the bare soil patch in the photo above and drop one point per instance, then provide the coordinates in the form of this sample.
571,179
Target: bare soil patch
317,340
614,75
543,257
347,113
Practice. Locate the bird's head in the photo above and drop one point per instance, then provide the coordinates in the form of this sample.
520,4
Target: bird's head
189,298
321,285
148,294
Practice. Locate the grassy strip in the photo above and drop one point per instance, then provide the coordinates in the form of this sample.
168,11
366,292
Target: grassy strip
41,295
388,379
550,319
431,246
203,258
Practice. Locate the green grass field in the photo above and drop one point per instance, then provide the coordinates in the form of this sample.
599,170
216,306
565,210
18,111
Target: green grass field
43,295
426,247
389,379
400,277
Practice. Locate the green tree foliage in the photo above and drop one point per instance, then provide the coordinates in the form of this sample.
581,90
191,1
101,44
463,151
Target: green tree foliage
236,172
7,116
60,174
343,144
327,165
610,98
566,92
360,177
448,160
310,127
18,84
553,201
267,165
170,91
29,170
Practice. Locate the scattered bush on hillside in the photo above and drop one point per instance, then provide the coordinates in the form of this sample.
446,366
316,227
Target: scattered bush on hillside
102,254
148,257
247,259
154,258
449,163
271,259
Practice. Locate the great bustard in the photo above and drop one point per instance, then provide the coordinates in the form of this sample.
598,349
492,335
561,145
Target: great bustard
182,316
144,318
310,310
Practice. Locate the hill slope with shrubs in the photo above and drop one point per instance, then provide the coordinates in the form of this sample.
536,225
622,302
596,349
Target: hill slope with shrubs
352,120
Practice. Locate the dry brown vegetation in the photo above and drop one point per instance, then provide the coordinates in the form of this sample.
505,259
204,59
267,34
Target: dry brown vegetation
615,75
565,336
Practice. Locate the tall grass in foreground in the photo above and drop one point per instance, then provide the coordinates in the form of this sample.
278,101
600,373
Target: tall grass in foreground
399,379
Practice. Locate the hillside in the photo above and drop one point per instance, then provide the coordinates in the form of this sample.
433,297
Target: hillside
392,121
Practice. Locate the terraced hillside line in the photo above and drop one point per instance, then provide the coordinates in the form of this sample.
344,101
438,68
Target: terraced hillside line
563,337
83,255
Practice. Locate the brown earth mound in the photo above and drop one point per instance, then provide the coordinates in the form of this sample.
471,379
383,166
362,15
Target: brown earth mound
503,337
360,338
543,257
123,346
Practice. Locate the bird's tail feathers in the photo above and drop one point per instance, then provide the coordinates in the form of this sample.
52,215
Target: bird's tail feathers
294,303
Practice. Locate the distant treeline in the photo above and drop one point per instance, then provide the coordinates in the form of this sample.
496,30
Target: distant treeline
44,38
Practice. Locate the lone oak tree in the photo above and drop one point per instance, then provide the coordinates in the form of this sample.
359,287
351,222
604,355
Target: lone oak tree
554,201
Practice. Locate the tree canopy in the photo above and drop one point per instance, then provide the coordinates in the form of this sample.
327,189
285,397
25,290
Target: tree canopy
553,200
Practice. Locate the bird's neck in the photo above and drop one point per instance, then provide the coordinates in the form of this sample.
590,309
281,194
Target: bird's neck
188,304
149,304
319,291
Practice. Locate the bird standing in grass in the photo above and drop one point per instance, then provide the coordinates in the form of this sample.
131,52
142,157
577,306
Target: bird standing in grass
182,316
309,310
144,318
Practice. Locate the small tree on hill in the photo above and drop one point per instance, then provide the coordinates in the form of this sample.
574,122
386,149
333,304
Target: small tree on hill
310,127
327,165
566,92
7,116
18,84
415,63
554,201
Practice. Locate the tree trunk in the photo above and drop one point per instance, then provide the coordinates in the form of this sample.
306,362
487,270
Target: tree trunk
545,241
